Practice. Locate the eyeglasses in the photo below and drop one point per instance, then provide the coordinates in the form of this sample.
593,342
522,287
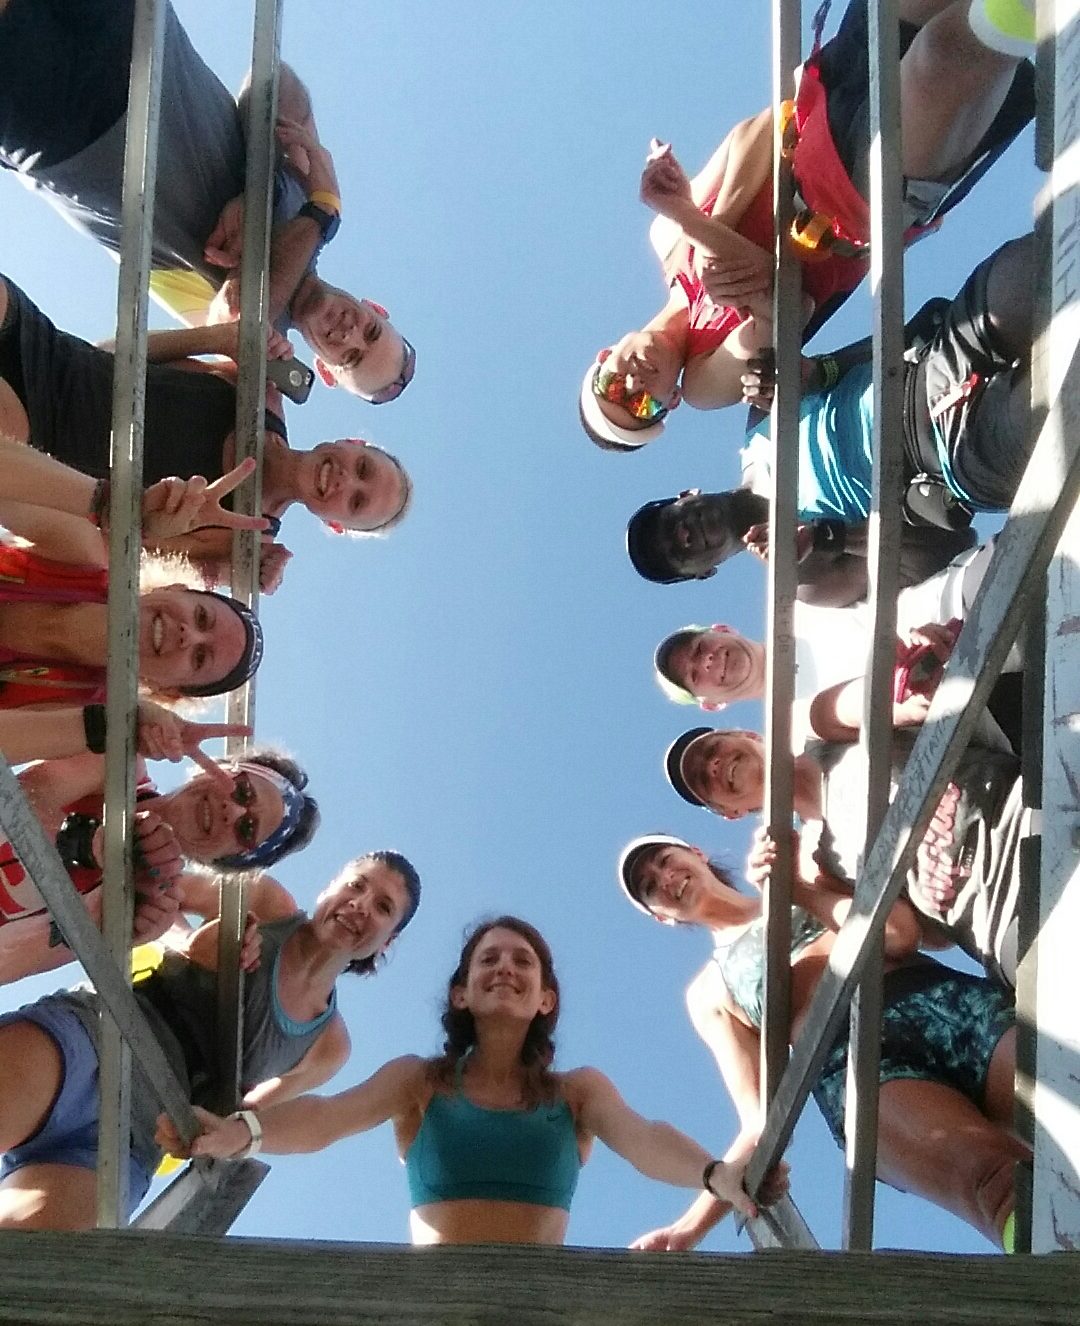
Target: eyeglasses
247,826
609,385
394,389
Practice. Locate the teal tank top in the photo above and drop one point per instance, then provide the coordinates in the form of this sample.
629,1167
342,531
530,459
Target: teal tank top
465,1151
742,962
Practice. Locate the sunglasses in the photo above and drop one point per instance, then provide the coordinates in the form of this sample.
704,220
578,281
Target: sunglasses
394,389
246,827
609,385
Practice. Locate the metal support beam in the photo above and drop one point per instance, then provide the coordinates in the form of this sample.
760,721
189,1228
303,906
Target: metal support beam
1043,503
125,521
205,1198
42,863
1055,1194
887,278
780,653
780,1226
250,402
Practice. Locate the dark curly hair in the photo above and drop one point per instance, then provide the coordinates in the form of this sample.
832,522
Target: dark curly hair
538,1050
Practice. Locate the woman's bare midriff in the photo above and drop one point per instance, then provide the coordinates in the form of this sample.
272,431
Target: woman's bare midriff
60,631
484,1221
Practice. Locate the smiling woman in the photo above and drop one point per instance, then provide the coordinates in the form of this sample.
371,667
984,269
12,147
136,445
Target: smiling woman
293,1037
492,1138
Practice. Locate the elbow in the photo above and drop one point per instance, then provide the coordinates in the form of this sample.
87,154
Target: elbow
903,934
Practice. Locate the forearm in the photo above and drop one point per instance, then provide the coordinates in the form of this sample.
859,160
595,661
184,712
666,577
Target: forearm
669,1156
300,1125
747,169
836,713
30,476
165,347
293,246
51,734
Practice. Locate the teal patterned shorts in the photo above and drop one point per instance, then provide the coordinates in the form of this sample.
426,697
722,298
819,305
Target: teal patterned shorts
937,1024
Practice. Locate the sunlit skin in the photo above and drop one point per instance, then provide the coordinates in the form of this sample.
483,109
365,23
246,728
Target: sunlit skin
209,822
360,911
357,345
504,991
726,770
718,667
185,638
343,481
650,359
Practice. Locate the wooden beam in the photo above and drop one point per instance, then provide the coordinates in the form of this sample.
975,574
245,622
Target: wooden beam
135,1279
205,1197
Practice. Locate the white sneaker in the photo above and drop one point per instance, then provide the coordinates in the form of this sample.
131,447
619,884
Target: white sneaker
1007,26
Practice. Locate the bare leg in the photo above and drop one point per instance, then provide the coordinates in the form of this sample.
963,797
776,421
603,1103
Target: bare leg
26,1096
932,1141
951,87
62,1197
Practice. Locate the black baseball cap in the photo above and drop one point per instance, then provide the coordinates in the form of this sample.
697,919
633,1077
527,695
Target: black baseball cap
673,764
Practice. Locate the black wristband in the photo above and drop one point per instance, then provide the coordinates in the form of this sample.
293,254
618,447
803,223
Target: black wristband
829,536
75,841
93,717
707,1174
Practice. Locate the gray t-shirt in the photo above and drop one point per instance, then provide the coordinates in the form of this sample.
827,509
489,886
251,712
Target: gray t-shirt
201,158
989,823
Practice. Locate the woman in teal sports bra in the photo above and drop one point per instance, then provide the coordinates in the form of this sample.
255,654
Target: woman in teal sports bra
948,1047
492,1138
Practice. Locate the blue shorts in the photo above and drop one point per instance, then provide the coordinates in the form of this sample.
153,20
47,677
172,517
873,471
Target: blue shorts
69,1136
937,1024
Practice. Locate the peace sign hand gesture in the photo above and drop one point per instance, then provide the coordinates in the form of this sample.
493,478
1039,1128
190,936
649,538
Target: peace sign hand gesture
164,735
173,507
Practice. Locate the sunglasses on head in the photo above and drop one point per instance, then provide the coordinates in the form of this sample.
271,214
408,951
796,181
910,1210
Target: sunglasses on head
243,793
394,389
610,385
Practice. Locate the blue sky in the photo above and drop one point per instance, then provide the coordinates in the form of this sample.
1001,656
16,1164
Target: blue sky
476,689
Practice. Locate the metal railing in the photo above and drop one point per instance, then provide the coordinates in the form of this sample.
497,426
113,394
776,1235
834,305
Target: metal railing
207,1196
1015,579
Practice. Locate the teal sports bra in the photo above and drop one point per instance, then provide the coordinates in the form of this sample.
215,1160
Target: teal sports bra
464,1151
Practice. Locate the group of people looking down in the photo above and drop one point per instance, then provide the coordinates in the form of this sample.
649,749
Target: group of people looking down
491,1134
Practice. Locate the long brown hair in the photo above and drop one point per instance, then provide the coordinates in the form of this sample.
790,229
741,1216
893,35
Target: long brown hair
537,1052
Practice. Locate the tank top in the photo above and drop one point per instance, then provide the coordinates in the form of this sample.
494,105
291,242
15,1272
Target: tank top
742,961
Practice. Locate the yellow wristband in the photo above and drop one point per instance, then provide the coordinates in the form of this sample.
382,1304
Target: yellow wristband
324,199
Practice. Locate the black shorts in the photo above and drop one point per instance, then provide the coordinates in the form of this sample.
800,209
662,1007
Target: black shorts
986,434
64,69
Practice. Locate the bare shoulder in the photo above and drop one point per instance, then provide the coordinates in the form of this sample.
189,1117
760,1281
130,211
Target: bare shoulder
707,995
581,1085
269,900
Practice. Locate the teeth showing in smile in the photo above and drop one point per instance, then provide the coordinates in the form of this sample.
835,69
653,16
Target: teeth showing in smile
205,815
157,632
323,483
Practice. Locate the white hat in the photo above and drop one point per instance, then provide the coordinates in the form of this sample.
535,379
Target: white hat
599,426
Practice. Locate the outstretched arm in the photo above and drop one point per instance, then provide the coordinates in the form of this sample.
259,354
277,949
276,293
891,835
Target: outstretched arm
309,1123
654,1148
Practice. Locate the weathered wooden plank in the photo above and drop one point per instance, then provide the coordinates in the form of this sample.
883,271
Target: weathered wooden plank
125,524
135,1279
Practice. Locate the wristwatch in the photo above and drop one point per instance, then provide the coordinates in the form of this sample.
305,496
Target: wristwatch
327,221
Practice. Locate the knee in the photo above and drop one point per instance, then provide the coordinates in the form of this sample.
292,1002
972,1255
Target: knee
946,47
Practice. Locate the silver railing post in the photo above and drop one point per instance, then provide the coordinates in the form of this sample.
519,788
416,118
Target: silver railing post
129,390
887,278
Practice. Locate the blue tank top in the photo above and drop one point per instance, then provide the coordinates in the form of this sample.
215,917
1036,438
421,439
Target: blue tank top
835,449
464,1151
742,962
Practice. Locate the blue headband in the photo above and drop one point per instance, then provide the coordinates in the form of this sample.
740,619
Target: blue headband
265,853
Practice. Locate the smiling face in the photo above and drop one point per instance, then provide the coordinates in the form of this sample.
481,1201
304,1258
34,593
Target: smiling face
675,882
504,979
718,666
695,533
350,484
360,913
211,820
187,638
645,361
727,771
357,345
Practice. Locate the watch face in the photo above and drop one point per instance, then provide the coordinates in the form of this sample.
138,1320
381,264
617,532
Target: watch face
328,222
